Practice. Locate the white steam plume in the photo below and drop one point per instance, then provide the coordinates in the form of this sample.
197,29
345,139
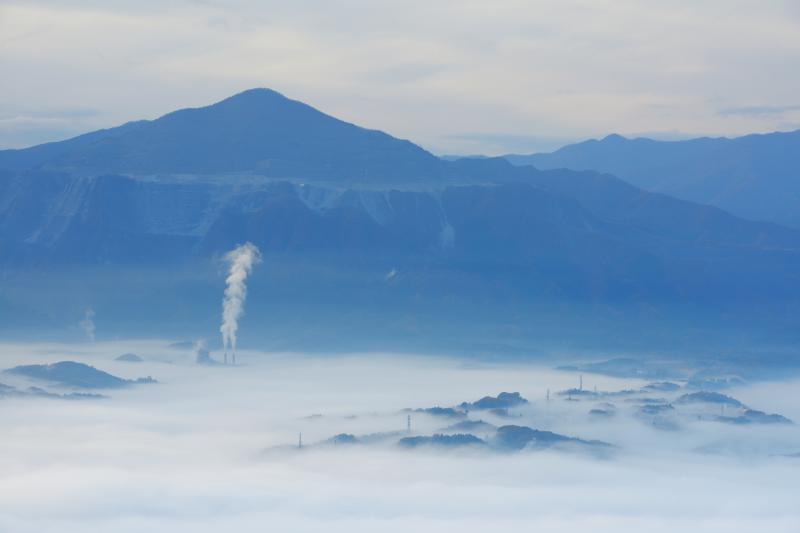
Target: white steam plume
201,354
87,324
241,261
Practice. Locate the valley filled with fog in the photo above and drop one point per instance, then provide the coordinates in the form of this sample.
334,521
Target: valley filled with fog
207,446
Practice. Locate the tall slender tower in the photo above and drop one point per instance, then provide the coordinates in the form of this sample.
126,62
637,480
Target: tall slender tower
300,440
408,424
580,386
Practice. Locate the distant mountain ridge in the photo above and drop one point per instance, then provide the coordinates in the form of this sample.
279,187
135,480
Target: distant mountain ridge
258,130
360,213
579,233
755,176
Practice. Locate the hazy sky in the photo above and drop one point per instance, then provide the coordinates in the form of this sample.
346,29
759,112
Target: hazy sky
456,76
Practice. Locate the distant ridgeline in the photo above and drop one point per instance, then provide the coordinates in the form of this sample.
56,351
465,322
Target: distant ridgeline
755,176
314,191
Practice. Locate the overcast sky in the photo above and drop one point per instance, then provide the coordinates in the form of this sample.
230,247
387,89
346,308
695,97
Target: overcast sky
456,76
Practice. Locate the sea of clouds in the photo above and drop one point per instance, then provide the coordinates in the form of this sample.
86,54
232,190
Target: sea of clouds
213,448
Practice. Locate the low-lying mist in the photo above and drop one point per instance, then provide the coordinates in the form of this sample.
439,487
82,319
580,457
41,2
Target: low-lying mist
213,447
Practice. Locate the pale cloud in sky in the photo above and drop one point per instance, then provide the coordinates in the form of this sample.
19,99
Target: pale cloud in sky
456,77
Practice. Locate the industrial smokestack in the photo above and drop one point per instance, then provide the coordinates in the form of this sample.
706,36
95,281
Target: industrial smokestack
240,261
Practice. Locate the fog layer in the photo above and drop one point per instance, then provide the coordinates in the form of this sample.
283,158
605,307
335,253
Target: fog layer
213,448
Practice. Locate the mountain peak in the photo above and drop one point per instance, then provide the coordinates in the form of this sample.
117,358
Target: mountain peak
613,137
254,96
257,92
256,131
256,101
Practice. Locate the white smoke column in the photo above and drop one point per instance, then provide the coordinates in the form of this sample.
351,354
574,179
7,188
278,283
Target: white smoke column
201,354
87,324
241,261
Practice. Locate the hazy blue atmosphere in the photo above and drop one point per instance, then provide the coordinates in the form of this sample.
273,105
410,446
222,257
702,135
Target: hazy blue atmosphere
378,266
